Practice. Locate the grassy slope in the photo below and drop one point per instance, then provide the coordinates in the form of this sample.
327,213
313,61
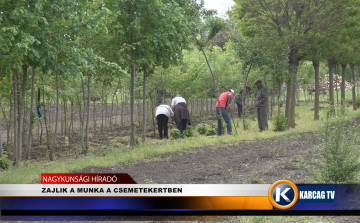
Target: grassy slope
27,173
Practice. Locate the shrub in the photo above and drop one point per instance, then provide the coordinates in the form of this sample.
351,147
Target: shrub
210,132
339,157
175,134
4,162
188,133
201,128
280,123
205,129
246,125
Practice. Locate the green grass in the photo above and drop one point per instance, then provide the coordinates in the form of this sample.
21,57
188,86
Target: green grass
348,95
27,173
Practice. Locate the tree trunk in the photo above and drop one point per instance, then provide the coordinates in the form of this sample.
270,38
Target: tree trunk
331,82
293,102
122,116
343,71
28,147
84,114
80,111
56,119
317,85
132,104
336,84
65,117
207,105
278,99
294,63
88,113
9,124
21,111
288,99
50,115
153,114
15,117
94,117
106,108
102,110
117,109
352,67
71,126
48,138
112,105
243,97
144,107
271,101
61,121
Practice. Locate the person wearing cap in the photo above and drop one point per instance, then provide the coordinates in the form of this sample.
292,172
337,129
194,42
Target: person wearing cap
261,103
225,99
162,114
181,112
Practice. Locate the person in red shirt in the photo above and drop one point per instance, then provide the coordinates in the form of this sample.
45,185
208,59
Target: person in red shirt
225,101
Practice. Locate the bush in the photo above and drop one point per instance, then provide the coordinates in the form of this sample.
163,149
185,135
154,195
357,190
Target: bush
246,125
205,129
175,134
210,132
188,133
4,162
201,129
339,157
280,123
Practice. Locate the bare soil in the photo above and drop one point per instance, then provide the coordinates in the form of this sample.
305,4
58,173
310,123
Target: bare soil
101,140
247,162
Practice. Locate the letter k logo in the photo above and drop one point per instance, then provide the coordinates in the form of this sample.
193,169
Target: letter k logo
278,194
283,194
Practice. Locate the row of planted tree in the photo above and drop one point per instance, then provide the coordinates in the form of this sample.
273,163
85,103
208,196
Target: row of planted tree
63,100
60,55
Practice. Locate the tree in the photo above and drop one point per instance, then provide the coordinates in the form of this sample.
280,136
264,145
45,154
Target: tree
149,33
295,23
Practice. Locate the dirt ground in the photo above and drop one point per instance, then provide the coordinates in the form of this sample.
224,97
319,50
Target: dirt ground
262,161
100,141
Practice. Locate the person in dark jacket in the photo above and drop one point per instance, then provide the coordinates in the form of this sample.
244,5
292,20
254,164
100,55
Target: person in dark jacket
181,112
261,104
225,101
182,116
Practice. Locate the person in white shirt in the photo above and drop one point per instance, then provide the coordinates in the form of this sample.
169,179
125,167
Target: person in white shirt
162,114
178,98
